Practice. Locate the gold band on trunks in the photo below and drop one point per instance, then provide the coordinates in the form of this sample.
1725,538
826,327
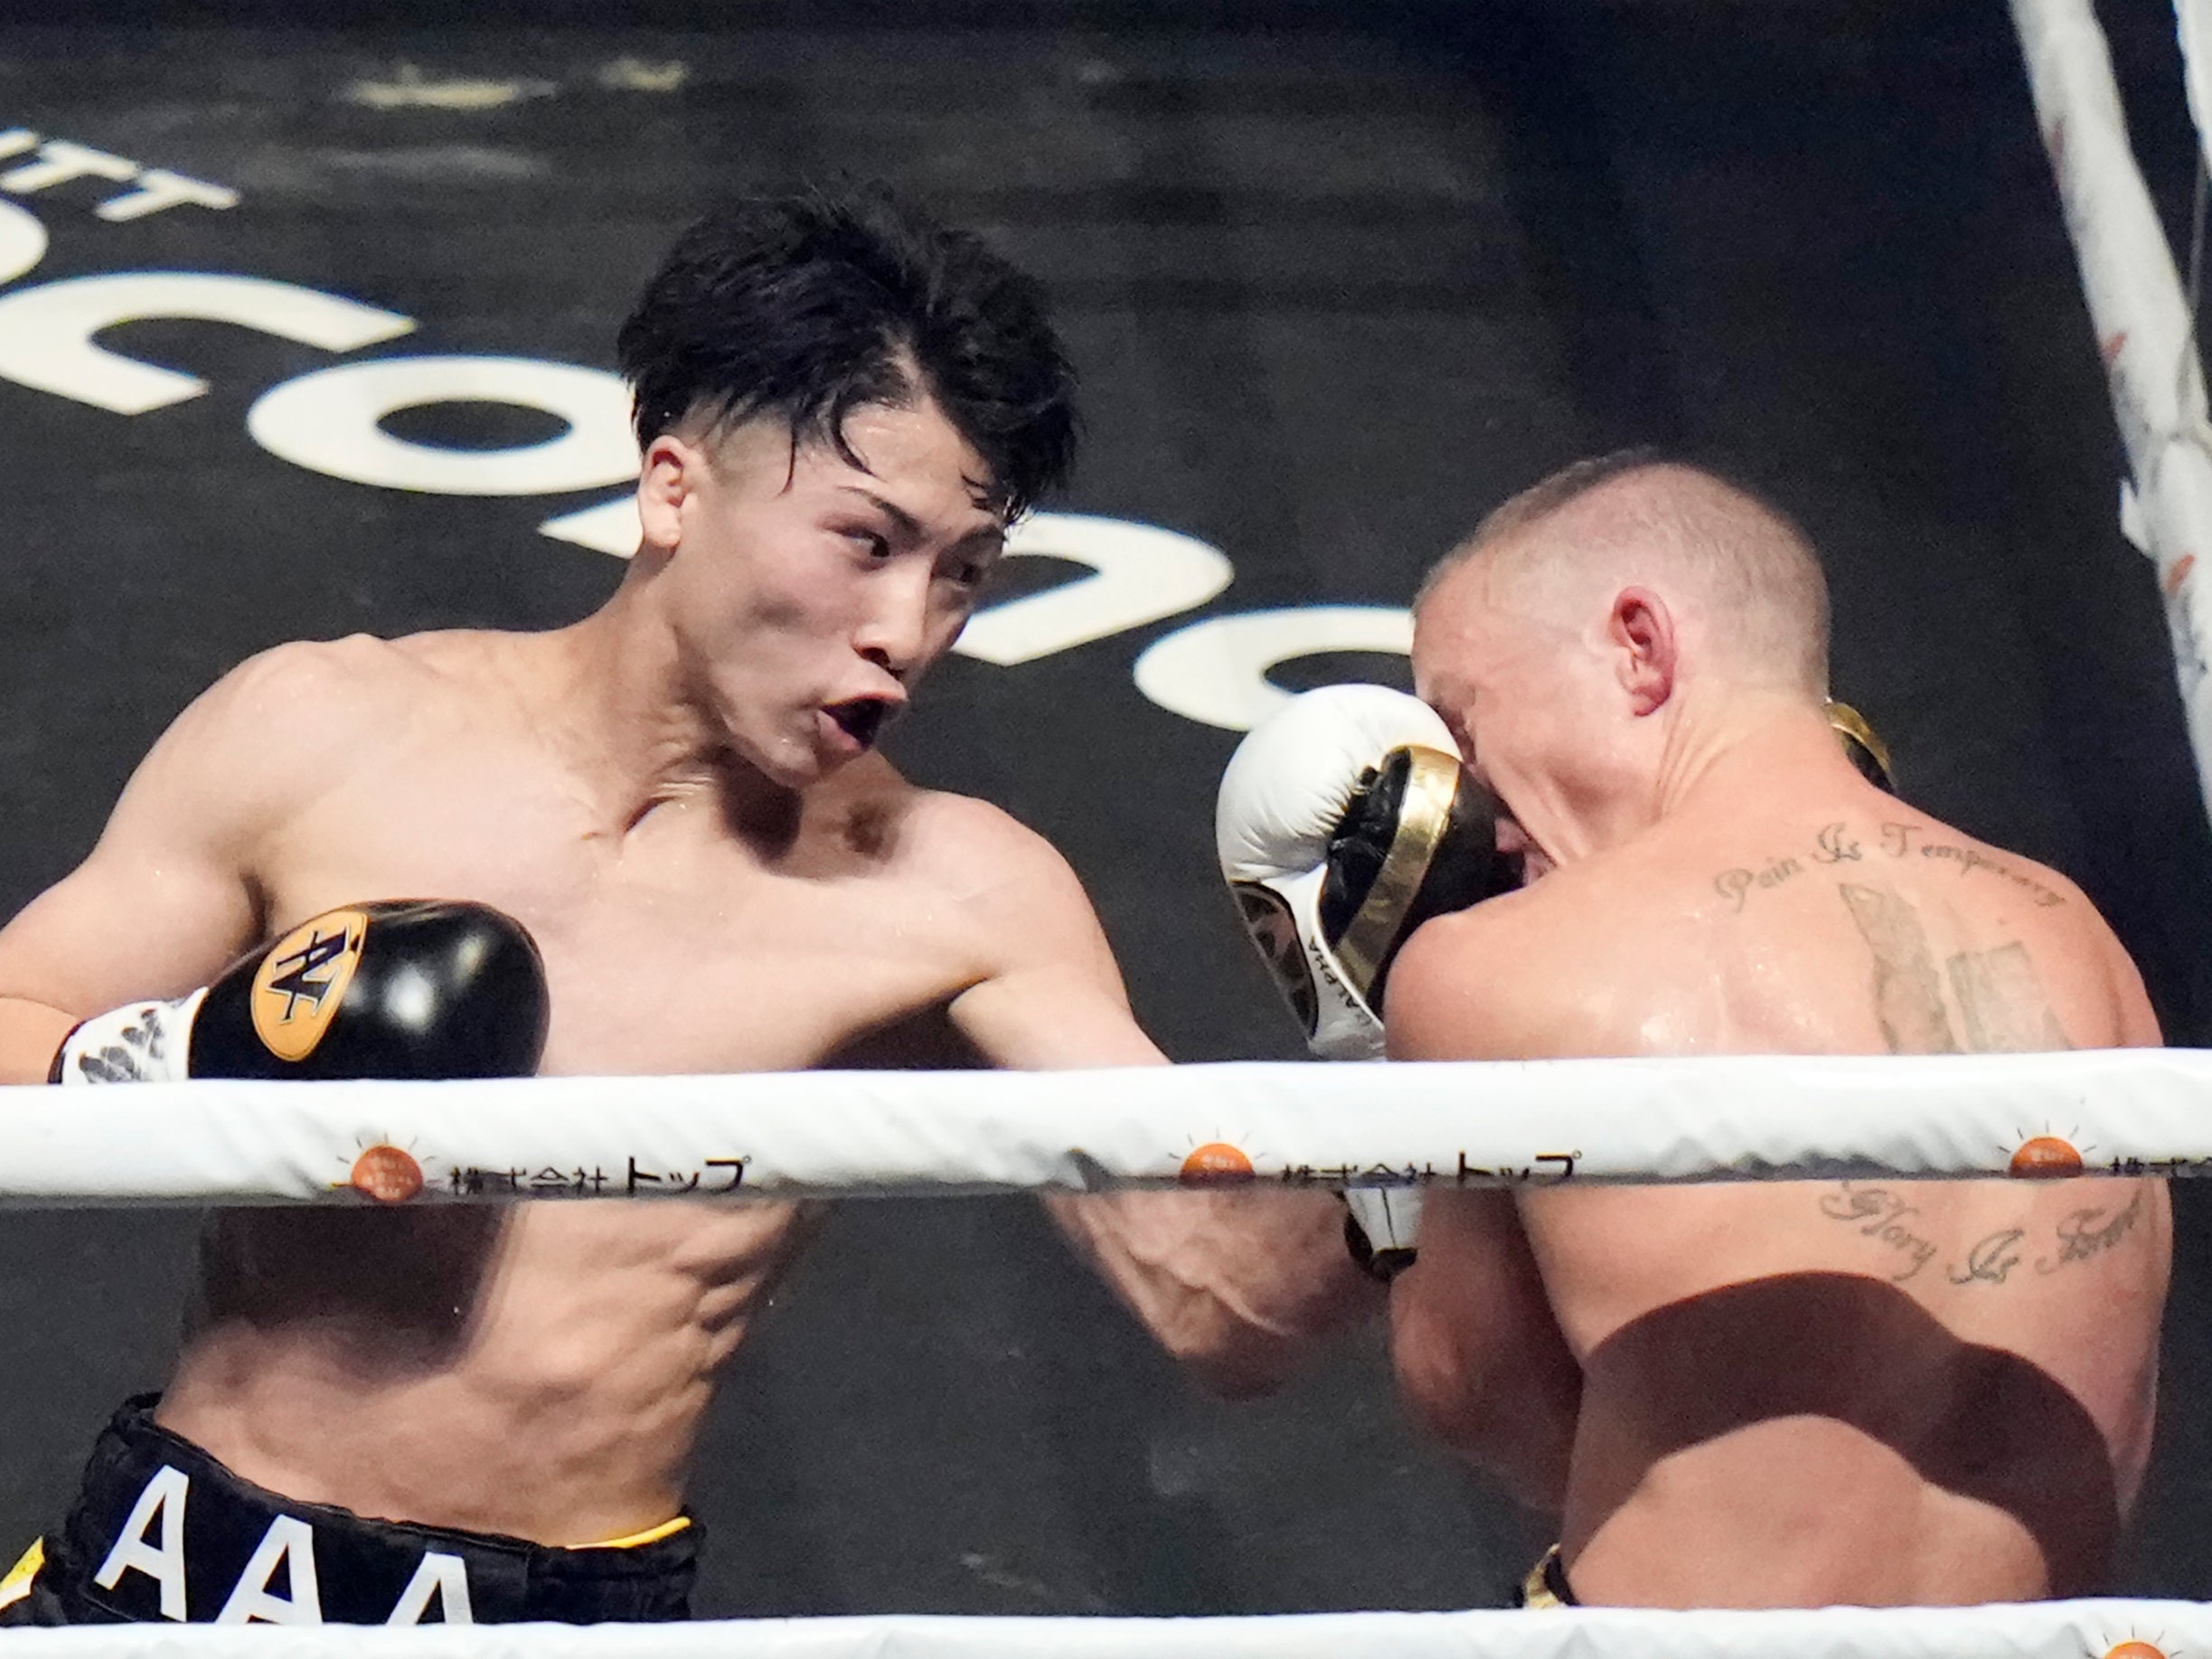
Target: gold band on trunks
1545,1587
638,1541
1425,809
17,1584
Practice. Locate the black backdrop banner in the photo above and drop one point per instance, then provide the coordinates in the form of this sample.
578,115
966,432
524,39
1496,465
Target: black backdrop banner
1338,278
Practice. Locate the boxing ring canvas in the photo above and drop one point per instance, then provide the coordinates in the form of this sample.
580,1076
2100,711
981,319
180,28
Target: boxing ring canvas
306,329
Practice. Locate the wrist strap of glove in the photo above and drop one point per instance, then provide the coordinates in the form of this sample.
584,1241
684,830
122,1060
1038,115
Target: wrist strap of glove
141,1043
1382,1226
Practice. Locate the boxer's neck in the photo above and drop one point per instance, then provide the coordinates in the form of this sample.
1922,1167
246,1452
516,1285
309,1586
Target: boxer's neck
1738,746
1753,747
637,731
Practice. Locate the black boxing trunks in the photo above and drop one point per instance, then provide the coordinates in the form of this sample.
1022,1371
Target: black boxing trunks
161,1530
1546,1584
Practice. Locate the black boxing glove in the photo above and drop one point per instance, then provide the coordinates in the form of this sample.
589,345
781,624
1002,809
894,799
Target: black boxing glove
410,988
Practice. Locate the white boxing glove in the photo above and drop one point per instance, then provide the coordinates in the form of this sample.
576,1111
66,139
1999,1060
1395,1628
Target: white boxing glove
1345,820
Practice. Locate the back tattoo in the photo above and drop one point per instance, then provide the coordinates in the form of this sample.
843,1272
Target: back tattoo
1997,992
2003,1008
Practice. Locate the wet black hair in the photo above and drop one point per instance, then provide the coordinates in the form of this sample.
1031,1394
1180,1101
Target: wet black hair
808,306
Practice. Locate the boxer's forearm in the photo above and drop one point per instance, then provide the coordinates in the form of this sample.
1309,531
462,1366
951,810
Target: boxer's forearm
30,1033
1479,1352
1241,1287
1518,1428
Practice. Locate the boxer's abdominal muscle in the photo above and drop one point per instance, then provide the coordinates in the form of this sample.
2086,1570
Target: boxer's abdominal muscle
539,1369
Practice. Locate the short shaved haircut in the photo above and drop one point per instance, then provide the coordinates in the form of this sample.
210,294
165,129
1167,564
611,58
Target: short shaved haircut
1638,517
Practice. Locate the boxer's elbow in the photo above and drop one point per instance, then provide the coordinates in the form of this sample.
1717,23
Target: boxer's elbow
1238,1288
1510,1410
1220,1347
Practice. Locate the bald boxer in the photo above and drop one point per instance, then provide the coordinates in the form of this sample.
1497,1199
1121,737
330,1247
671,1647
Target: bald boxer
483,1414
1795,1393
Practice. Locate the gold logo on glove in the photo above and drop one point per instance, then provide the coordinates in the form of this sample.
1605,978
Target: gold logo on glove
302,980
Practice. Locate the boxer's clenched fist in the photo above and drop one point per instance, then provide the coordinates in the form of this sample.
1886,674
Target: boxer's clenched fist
409,989
1345,820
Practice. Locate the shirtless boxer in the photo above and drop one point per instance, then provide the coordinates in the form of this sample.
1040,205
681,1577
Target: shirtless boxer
1795,1394
841,408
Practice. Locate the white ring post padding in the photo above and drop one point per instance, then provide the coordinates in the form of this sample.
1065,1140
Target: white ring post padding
874,1133
2144,329
2032,1630
2193,27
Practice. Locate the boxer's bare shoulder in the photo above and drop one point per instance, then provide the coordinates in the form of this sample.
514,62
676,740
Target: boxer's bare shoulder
183,857
1036,938
1849,930
1540,973
286,718
990,859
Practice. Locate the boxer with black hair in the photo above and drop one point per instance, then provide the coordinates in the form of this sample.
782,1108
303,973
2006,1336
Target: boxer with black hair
486,1415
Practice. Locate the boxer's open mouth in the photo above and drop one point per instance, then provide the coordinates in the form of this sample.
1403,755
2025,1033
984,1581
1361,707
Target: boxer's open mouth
860,718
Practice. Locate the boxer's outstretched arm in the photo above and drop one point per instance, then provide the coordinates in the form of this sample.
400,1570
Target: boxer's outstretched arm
1483,1358
1240,1287
166,896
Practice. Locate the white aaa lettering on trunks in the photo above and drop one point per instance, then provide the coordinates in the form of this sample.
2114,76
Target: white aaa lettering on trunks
288,1544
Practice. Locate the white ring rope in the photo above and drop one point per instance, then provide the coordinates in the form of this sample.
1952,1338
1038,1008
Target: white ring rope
2143,330
879,1133
1588,1121
2036,1630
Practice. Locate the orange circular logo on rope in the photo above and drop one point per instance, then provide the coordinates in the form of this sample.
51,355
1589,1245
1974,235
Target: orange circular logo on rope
1214,1164
2045,1158
2135,1649
389,1175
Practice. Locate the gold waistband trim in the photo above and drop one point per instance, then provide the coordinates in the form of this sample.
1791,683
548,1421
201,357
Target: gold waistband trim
1536,1589
17,1584
634,1540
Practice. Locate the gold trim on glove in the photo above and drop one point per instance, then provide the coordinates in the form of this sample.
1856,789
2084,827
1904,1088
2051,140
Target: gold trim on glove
1431,781
1850,727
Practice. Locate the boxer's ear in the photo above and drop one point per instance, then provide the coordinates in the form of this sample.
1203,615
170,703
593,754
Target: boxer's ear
1642,630
670,475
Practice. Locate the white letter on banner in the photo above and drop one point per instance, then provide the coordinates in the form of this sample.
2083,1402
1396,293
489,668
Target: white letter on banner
164,1494
290,1541
46,332
326,422
158,189
1215,671
61,161
447,1575
611,527
23,241
1140,573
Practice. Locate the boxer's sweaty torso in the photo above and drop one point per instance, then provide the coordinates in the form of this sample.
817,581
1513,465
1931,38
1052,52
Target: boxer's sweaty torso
539,1369
1802,1393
